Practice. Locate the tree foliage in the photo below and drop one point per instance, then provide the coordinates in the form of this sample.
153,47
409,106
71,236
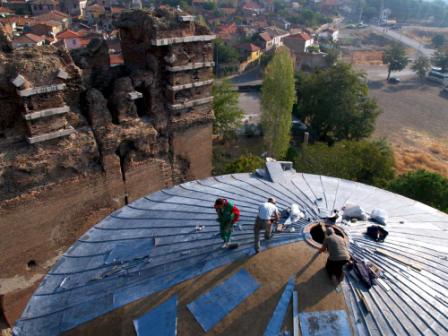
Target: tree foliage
277,98
334,104
423,186
305,17
224,53
370,162
440,59
438,41
395,58
405,10
244,164
228,115
421,66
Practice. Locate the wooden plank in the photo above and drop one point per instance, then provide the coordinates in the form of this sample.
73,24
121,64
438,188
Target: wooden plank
182,39
46,113
401,260
190,66
50,136
363,299
295,313
41,89
383,284
190,103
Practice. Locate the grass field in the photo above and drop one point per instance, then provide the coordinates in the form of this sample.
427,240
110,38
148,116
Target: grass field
415,121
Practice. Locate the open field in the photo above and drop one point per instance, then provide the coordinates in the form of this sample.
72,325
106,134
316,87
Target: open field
424,34
414,120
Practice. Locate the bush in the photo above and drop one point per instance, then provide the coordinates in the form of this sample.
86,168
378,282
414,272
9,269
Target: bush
423,186
370,162
245,164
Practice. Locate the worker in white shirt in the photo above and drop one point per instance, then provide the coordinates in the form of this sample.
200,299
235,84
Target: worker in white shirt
267,215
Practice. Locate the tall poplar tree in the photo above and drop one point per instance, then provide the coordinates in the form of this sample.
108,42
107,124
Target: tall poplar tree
277,98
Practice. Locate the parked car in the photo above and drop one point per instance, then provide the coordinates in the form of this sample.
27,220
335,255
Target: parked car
394,80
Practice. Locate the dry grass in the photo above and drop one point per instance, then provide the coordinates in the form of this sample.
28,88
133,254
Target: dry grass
420,151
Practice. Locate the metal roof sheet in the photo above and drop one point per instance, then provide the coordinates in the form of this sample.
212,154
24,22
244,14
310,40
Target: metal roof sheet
180,225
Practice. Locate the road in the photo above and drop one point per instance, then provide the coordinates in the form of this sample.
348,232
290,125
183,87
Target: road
396,35
250,77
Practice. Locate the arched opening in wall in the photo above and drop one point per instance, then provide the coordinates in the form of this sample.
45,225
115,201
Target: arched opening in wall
123,151
143,104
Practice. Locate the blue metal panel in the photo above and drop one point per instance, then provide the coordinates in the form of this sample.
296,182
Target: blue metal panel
129,250
160,321
213,306
326,323
275,324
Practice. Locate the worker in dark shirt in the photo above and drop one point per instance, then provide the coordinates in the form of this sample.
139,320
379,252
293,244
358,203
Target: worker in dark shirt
228,214
338,255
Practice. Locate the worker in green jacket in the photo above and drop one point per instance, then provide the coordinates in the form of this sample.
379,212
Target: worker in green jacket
228,214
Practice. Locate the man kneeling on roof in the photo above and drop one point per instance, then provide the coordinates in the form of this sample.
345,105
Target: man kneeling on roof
228,214
338,255
267,215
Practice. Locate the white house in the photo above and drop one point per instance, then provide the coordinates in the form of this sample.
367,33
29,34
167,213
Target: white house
329,34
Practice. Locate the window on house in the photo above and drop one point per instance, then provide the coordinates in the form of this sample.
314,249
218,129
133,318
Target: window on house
40,7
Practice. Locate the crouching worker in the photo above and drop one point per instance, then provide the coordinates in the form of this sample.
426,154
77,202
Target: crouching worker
228,214
267,215
338,255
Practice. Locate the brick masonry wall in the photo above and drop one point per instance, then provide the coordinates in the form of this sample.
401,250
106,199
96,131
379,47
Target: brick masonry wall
195,146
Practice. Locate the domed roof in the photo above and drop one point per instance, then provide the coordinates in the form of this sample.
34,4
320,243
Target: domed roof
172,235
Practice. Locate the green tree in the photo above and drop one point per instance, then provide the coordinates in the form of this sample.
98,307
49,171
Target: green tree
224,53
440,59
244,164
395,58
334,104
421,66
365,161
228,115
423,186
277,99
438,41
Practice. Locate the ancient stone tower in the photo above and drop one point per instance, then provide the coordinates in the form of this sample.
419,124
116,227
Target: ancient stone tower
79,139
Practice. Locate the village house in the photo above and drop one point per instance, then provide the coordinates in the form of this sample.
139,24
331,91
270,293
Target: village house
4,12
249,52
252,7
57,16
329,34
264,40
48,28
93,13
298,43
227,32
19,7
277,35
28,40
73,7
39,7
73,40
17,24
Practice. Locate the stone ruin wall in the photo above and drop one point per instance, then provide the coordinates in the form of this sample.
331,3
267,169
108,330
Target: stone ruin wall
79,139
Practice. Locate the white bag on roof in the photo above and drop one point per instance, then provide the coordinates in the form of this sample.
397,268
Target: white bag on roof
294,214
354,211
379,215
